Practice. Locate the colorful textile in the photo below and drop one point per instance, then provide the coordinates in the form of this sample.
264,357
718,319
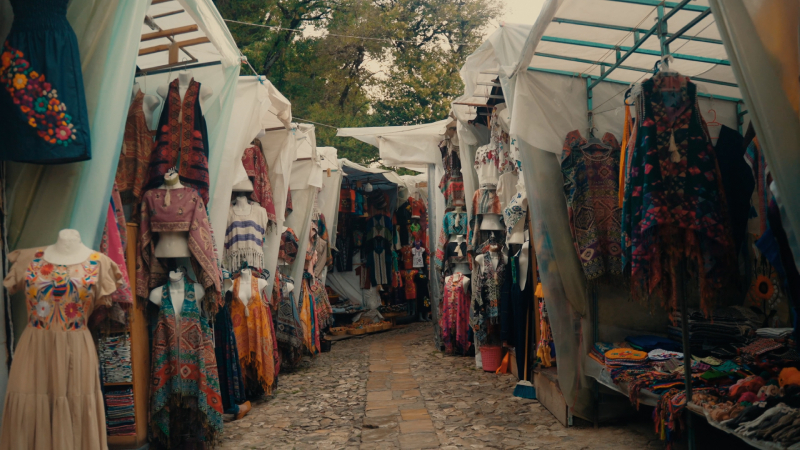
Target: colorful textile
454,320
111,246
231,379
177,210
486,158
184,368
114,353
591,188
244,238
408,257
674,208
308,317
379,260
755,159
322,304
455,223
43,113
289,246
258,172
253,335
486,286
134,159
454,195
761,346
287,330
418,256
484,201
181,140
408,283
120,413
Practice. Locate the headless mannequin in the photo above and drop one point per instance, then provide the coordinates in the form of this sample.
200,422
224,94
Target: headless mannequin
172,244
149,104
68,249
524,256
176,293
462,268
491,222
495,260
464,281
184,78
242,207
245,292
458,213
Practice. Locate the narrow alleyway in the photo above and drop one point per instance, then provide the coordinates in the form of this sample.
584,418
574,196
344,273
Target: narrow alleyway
394,390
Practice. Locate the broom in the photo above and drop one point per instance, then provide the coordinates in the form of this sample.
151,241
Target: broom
524,388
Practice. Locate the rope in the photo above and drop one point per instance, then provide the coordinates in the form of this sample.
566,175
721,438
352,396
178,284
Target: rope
316,123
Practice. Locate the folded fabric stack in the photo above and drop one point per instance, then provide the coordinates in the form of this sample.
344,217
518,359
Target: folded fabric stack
598,352
619,357
726,326
115,358
647,343
120,419
774,333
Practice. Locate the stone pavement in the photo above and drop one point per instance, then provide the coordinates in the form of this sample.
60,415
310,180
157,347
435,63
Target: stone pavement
394,390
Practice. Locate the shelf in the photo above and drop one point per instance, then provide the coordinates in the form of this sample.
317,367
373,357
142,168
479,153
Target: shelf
759,444
124,383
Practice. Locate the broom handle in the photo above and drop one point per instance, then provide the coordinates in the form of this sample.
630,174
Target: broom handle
527,327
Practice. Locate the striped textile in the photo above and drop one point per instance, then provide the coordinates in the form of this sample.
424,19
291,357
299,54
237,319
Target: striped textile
244,238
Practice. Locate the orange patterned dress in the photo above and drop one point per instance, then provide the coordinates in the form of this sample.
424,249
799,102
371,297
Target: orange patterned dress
251,325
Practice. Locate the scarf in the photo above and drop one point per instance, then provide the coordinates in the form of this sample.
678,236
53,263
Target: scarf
137,146
227,353
258,171
253,334
184,384
182,141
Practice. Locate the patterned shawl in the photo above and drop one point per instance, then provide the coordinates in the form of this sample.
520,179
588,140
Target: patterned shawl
137,146
253,336
591,186
227,353
674,207
176,210
184,375
258,171
181,140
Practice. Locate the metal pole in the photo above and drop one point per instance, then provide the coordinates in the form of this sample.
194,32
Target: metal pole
434,290
687,350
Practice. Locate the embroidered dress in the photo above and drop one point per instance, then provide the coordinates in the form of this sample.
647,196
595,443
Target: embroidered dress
591,187
185,402
486,287
455,223
419,257
454,320
379,260
244,238
258,172
514,213
231,380
408,257
53,397
43,114
408,282
322,304
181,140
253,336
287,329
134,159
379,226
486,164
674,208
176,210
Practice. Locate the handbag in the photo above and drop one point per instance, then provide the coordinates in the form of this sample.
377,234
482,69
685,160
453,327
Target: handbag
347,199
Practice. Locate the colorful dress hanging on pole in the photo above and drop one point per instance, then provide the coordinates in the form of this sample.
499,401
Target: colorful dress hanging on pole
181,140
253,336
186,405
591,187
673,207
43,114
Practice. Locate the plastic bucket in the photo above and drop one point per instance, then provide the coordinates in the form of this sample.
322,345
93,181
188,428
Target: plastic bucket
491,356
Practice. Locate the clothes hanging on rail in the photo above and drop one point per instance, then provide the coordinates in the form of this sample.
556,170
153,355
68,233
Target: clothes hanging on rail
258,172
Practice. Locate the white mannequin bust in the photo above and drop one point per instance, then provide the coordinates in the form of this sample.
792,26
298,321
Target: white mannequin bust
149,104
172,244
245,293
454,237
176,293
491,222
184,78
462,268
68,249
479,260
241,206
524,256
464,280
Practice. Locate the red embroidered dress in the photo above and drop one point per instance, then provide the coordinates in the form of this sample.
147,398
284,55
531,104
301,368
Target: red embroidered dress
454,320
182,141
137,147
258,171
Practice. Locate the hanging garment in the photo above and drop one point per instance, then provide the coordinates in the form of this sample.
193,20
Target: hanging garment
379,226
423,296
452,170
417,208
323,248
505,162
379,260
53,397
43,115
737,179
455,252
763,178
409,284
177,210
308,317
454,196
507,188
455,223
591,187
403,219
185,398
408,257
289,246
244,238
322,305
181,140
484,201
287,330
258,172
486,285
137,145
454,320
628,135
289,207
514,214
253,336
111,246
486,164
231,380
419,257
674,206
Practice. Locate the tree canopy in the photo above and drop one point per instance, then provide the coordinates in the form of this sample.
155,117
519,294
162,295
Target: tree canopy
361,63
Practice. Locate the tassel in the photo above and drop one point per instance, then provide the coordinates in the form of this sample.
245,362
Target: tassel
673,149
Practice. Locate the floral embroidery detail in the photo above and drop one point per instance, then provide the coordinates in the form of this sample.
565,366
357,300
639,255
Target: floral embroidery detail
42,309
72,310
36,98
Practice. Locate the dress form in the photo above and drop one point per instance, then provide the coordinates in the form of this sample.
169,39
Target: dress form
149,104
176,293
491,222
462,268
68,249
184,78
172,244
495,260
242,206
454,237
524,256
245,279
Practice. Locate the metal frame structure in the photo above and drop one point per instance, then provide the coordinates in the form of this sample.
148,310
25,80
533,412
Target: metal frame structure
665,10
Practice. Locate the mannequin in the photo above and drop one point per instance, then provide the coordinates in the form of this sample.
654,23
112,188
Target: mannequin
495,260
68,249
524,256
281,261
242,206
149,104
491,222
172,244
245,293
458,211
176,293
462,268
184,78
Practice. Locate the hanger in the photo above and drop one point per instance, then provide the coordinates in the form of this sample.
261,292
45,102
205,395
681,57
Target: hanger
594,141
713,122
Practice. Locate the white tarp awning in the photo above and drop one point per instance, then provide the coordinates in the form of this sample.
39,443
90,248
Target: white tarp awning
412,147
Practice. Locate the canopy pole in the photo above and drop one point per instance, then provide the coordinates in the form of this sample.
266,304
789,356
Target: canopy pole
434,290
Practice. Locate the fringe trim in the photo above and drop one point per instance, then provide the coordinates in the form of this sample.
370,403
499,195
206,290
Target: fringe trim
234,258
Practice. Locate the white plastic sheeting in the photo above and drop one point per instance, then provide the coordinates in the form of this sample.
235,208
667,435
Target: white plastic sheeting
412,146
328,198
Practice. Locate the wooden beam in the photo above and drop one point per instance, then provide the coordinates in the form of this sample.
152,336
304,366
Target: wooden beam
477,105
165,47
171,13
170,32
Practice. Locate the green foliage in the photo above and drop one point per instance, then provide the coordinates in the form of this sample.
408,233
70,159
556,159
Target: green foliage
406,73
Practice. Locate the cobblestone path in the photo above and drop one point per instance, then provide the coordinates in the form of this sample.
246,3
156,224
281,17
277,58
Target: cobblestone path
394,390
